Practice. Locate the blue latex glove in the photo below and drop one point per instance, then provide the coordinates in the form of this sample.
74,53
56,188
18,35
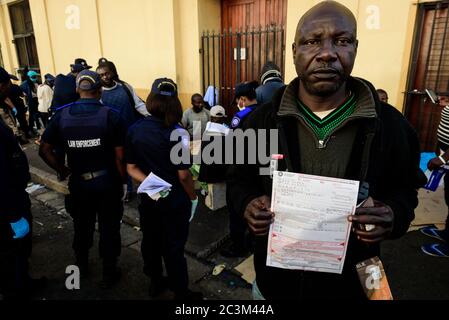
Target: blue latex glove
14,112
20,228
193,211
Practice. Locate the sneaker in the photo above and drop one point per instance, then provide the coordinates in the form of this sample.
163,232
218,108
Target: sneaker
436,250
111,278
234,251
434,233
189,295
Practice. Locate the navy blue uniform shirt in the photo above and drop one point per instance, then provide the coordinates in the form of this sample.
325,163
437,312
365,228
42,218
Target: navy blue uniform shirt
116,129
148,146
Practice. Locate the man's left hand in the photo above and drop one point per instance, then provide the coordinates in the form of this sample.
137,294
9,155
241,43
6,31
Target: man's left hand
380,216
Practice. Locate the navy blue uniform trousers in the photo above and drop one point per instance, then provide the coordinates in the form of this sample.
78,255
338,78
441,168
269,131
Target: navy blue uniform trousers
14,254
165,228
100,196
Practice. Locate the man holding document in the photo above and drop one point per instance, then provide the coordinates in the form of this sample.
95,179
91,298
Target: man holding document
345,176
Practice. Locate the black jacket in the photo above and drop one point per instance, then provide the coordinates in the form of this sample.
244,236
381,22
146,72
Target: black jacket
385,154
14,176
64,91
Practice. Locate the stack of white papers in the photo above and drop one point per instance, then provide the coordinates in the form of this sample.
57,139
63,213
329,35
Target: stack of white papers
154,187
216,129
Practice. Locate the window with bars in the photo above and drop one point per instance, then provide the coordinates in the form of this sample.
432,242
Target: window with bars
429,69
22,27
437,75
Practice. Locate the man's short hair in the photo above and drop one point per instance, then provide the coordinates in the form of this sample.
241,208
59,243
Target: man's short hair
382,91
246,89
196,95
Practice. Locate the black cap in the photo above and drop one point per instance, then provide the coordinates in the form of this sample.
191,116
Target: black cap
270,71
246,89
4,76
79,65
93,80
49,77
165,87
102,61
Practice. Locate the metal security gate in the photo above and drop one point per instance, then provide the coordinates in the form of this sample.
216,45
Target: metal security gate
429,69
231,57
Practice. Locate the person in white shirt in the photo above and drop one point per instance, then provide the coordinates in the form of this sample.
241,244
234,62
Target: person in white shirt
44,97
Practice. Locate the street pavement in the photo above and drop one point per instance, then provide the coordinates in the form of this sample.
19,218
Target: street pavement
411,274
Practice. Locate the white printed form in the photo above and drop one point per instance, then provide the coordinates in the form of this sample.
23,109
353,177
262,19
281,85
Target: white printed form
310,231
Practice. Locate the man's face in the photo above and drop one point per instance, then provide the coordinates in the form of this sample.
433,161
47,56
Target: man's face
324,53
219,120
4,89
242,102
444,100
197,103
383,97
106,76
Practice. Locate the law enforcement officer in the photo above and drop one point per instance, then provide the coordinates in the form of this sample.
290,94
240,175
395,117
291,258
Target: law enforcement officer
64,93
92,136
245,94
15,212
165,222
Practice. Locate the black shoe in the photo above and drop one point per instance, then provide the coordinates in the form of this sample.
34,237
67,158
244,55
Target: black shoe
60,178
158,286
35,285
128,197
83,266
110,278
234,251
22,140
189,295
84,270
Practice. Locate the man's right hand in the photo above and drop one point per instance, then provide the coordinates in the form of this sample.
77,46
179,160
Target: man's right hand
259,216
